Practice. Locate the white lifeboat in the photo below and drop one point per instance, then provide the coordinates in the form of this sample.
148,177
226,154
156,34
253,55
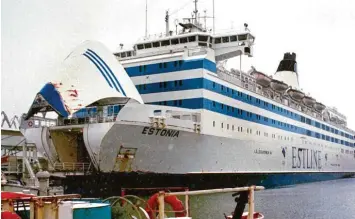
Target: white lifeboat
308,101
318,106
295,94
262,79
278,86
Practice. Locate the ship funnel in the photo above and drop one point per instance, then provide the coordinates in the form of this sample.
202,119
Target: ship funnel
287,70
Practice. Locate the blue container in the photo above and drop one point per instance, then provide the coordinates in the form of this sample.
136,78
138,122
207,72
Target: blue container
92,211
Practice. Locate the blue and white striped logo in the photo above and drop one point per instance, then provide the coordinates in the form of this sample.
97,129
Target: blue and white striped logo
105,70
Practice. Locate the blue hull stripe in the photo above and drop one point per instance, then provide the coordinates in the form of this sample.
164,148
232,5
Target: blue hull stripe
98,67
110,73
199,83
214,106
173,66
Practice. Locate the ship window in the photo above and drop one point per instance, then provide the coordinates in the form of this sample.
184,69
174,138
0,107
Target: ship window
180,102
165,43
175,63
175,104
225,39
145,87
217,40
228,126
148,45
242,37
180,82
213,84
156,44
176,83
174,41
165,64
118,54
165,84
180,62
129,53
140,68
160,84
222,87
227,108
213,103
222,106
214,123
222,125
233,38
140,46
192,38
160,65
203,38
210,39
232,127
202,44
123,55
183,40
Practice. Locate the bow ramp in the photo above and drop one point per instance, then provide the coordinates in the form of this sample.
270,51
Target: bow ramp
91,86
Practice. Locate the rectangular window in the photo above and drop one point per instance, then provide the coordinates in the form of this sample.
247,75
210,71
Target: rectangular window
180,82
156,44
165,43
174,41
183,40
192,38
148,45
165,65
180,102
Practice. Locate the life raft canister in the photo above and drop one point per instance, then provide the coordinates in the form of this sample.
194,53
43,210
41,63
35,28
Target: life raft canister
173,201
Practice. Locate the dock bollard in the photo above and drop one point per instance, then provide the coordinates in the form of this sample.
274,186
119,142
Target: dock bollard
43,179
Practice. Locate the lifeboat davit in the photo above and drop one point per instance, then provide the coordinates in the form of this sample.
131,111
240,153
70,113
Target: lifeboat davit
308,101
295,94
278,86
319,106
262,79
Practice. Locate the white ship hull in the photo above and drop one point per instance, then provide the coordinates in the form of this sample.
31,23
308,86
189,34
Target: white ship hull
190,152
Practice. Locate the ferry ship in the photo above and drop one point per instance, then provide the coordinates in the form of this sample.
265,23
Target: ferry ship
167,108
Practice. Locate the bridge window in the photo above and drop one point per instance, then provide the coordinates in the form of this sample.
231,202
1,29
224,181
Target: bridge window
156,44
123,55
183,40
217,40
242,37
140,46
203,38
129,53
192,38
225,39
233,38
174,41
165,43
148,45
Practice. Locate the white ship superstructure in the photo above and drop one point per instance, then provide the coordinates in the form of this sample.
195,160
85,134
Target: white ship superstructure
198,117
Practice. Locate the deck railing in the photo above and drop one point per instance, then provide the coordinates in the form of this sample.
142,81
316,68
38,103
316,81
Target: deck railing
72,167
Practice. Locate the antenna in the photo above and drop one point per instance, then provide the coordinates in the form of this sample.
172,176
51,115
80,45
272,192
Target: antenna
146,18
195,12
213,17
205,19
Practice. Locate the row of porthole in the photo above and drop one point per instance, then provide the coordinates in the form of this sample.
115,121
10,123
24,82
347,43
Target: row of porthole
249,131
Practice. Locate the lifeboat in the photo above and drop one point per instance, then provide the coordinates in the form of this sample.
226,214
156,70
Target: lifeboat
278,86
308,101
262,79
295,94
318,106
